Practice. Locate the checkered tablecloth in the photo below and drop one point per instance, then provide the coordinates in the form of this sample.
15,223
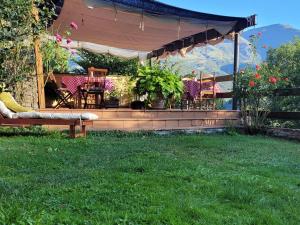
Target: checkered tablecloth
193,87
73,82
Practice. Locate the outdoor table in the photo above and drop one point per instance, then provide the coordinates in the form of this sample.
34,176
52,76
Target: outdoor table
74,83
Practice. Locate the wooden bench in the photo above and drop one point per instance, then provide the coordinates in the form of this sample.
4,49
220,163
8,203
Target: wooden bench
72,123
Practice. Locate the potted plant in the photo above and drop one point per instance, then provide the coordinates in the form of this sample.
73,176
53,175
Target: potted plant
158,85
113,100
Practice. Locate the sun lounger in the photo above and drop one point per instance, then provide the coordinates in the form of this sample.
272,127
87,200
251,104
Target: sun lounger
8,118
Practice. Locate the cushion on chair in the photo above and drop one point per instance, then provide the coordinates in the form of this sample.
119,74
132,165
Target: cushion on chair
5,111
11,103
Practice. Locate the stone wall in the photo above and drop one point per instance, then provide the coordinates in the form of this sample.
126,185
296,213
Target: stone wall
26,93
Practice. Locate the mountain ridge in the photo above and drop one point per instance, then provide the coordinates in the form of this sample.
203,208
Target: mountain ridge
219,58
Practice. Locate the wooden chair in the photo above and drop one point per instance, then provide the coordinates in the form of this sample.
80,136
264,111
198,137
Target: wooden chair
207,98
93,90
63,95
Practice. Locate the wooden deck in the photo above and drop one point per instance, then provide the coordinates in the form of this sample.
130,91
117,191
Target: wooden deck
132,120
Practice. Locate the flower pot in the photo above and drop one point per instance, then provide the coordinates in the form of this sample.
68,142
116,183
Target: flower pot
158,104
112,103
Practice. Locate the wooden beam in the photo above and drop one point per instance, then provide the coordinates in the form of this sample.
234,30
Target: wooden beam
39,65
235,68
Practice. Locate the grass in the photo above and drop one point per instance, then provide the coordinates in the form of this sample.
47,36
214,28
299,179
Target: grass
115,178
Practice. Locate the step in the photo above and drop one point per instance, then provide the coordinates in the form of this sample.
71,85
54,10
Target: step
152,114
159,123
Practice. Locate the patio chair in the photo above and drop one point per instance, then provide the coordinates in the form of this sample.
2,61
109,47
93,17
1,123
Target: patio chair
63,95
207,94
93,90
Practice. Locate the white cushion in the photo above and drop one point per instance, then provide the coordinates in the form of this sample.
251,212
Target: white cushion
26,115
89,116
67,116
5,111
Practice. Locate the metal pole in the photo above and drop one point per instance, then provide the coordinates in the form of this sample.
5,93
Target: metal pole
235,69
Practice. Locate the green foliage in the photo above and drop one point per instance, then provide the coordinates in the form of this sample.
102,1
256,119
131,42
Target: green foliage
18,29
287,59
158,83
16,63
114,64
255,90
15,21
55,58
120,178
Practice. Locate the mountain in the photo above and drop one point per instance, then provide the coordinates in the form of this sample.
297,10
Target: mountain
273,36
219,58
212,58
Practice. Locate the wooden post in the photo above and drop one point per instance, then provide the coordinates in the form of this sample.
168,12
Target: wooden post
235,69
39,73
39,65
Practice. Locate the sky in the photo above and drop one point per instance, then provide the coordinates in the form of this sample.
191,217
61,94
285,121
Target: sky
268,11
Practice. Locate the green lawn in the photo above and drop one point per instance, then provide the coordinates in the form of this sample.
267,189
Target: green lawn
137,179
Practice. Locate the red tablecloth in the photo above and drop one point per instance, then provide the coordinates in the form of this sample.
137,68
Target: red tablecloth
73,82
193,87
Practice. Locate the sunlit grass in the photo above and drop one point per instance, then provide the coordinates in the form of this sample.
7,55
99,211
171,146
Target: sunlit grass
120,178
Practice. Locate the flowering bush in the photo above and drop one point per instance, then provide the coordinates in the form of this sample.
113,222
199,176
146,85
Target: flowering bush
56,57
255,89
109,85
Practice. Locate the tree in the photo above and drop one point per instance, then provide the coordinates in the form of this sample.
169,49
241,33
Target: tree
287,59
114,64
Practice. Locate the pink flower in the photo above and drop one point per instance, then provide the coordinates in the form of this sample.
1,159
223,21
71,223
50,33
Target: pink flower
251,83
272,80
69,40
58,38
257,76
286,79
73,25
257,67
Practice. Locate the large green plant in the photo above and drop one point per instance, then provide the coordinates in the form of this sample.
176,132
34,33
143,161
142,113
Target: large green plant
115,65
55,58
158,83
287,59
18,29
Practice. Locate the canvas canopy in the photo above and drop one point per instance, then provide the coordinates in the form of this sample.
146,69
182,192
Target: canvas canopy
143,27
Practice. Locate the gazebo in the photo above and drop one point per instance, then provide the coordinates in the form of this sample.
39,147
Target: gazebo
146,28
